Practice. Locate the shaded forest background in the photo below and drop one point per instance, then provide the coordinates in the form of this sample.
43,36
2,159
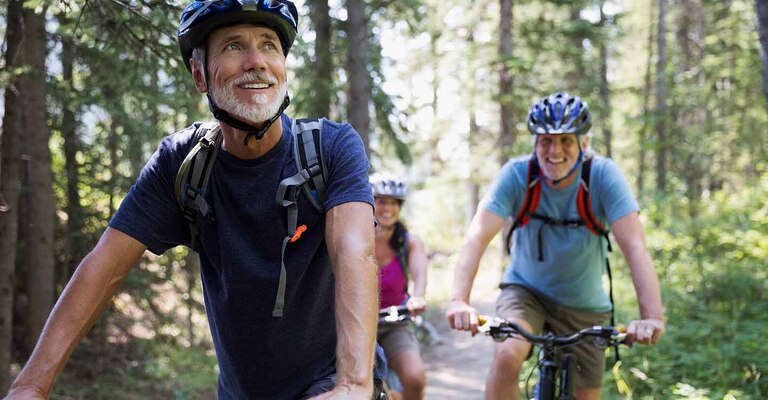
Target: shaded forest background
438,90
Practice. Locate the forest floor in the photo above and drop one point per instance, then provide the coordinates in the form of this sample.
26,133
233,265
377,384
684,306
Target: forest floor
457,367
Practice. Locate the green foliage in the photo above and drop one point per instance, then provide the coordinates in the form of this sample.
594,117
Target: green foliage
715,285
141,369
185,372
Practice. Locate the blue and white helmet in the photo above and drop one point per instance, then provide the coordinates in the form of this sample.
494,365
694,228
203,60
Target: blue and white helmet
559,113
385,185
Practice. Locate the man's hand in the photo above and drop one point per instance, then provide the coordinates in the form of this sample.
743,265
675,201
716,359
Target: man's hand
462,316
416,305
645,331
346,391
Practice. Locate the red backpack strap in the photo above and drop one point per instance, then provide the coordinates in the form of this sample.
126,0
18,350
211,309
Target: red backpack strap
590,222
584,203
531,201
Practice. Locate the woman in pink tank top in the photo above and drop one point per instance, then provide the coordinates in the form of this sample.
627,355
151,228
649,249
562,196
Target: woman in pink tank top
400,256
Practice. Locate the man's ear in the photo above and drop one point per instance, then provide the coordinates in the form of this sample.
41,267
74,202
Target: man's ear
198,75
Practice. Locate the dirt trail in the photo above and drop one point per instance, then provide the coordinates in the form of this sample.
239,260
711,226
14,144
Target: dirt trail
457,367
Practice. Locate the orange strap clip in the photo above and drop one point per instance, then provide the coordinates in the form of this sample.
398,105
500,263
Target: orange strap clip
299,231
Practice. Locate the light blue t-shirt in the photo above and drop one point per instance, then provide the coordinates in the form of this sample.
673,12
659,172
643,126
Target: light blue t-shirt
573,258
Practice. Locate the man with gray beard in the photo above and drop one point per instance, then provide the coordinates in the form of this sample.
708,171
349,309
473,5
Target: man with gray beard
294,322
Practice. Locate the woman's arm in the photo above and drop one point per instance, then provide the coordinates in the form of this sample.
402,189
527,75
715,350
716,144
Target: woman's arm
417,269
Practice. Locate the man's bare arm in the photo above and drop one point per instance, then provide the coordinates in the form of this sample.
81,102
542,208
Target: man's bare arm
350,240
87,294
629,234
485,225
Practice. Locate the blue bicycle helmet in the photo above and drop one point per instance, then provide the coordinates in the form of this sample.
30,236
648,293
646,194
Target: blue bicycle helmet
201,17
559,113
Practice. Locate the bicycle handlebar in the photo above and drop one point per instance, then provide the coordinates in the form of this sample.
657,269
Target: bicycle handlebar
394,314
501,330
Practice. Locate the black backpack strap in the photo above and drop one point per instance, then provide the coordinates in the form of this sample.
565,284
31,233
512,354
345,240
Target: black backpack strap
531,201
307,144
402,256
308,156
194,173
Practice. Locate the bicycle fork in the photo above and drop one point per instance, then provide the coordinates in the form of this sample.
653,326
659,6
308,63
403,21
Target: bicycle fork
548,370
566,377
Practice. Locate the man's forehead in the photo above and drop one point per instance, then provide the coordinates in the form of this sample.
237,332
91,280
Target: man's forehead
558,136
243,30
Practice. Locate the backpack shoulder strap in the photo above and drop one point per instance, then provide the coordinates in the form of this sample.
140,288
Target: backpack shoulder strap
531,201
194,173
309,178
584,203
402,256
308,151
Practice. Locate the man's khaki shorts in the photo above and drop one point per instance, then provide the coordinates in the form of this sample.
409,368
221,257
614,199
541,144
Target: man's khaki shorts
516,301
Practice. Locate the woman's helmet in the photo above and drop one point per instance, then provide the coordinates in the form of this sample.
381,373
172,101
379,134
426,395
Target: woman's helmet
201,17
388,186
559,113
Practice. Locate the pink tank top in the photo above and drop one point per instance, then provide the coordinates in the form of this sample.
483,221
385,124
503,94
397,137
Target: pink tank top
392,284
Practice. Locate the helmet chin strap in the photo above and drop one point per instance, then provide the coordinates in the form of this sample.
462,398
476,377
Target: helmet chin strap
252,130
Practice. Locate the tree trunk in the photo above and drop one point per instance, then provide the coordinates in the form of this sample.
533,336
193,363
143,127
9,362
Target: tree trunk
357,70
76,248
692,116
506,83
644,130
323,65
114,125
577,74
661,100
473,189
40,245
762,28
506,92
605,90
9,190
683,33
473,134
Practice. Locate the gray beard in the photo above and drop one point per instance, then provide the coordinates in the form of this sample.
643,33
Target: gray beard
254,114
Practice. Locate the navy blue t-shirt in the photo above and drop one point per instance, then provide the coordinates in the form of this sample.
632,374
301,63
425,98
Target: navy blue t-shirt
259,356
